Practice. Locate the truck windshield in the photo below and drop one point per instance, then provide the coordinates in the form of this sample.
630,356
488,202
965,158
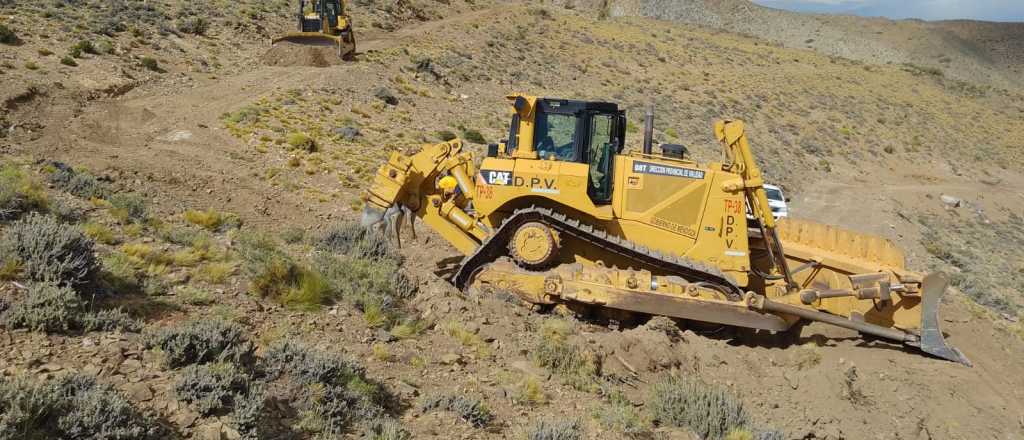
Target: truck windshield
773,194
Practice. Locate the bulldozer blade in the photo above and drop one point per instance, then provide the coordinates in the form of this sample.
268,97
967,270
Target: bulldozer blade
317,39
932,340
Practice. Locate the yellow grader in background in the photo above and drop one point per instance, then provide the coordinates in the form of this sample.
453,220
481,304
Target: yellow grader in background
559,214
327,25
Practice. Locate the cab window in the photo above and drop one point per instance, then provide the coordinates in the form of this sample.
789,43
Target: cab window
555,135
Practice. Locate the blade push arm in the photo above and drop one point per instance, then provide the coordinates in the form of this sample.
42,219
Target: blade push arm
418,185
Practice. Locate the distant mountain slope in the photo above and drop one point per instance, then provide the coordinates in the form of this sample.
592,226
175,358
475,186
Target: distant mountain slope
978,52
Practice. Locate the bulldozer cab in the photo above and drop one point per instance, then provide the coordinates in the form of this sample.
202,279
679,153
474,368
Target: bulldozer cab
328,10
563,130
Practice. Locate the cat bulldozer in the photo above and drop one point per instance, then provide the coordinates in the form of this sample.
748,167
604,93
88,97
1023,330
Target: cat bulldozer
559,214
327,25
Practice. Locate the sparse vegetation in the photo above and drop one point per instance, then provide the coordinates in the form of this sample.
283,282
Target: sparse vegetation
473,136
69,407
212,388
335,393
302,141
194,25
622,416
129,207
577,365
212,220
150,64
50,308
77,183
446,135
201,341
709,411
99,233
19,193
7,35
467,408
546,429
49,251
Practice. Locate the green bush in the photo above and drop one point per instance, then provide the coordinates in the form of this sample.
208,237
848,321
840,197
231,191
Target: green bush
385,428
202,341
194,25
302,141
50,251
82,46
709,411
51,308
620,415
467,408
473,136
19,193
150,64
129,207
68,61
273,274
212,388
7,35
373,286
335,393
46,307
577,365
556,430
78,183
351,239
72,407
446,135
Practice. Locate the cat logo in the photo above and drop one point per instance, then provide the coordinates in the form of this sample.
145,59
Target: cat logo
497,177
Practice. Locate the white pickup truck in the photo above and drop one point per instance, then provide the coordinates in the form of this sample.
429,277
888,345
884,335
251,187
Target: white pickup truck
777,201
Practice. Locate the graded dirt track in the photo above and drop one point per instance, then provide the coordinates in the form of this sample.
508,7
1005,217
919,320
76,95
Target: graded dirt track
167,139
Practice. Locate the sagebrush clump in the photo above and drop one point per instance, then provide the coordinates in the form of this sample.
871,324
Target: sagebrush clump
72,407
709,411
467,408
353,240
50,251
77,183
202,341
333,393
52,308
212,388
556,430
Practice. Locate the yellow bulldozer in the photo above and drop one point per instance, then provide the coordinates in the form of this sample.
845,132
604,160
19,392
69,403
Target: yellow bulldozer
558,213
326,25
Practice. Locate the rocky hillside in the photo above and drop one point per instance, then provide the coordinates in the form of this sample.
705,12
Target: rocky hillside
978,52
204,280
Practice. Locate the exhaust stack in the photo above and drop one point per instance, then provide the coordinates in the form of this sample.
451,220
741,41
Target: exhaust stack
649,129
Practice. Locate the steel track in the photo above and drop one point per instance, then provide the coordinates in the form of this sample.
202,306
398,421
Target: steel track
668,264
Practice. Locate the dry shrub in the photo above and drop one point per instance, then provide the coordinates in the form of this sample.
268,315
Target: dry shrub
709,411
49,251
556,430
577,365
470,409
73,407
52,308
212,388
202,341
